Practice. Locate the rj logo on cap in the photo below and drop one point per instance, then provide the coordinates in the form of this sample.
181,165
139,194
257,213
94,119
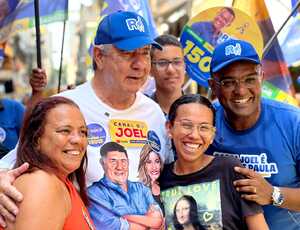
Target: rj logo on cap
235,50
135,24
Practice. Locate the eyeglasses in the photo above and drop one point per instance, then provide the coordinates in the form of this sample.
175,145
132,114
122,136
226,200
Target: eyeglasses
164,64
203,129
249,82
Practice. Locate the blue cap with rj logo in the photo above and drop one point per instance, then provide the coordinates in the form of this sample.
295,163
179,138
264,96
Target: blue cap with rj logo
231,51
125,30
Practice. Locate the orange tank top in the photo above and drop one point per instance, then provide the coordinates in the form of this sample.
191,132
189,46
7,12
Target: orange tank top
79,218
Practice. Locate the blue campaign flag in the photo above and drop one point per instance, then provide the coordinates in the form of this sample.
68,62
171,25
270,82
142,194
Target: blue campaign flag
17,15
290,45
141,7
197,56
291,42
294,3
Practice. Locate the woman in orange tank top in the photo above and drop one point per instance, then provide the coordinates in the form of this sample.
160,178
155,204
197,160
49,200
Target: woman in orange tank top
53,141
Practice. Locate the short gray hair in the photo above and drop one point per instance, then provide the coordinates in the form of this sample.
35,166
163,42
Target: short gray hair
104,48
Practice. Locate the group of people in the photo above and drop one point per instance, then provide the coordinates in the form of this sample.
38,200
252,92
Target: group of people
144,171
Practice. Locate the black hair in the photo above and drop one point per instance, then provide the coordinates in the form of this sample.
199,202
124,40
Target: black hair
187,99
165,40
230,10
193,214
110,147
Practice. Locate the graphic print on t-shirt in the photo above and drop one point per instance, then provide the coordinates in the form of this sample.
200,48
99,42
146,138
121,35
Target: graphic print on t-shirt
204,197
257,161
128,133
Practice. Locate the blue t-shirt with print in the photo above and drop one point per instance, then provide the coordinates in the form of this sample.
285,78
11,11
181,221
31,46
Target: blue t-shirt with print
271,147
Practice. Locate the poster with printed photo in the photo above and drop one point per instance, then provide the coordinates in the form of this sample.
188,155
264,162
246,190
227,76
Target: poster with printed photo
193,205
212,27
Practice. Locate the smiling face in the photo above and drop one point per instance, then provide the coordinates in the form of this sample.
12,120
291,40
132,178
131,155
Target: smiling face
171,77
223,18
240,101
115,166
153,166
183,212
64,139
191,142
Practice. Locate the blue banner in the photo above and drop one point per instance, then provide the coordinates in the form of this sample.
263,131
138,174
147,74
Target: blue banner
17,15
197,55
140,7
290,45
294,3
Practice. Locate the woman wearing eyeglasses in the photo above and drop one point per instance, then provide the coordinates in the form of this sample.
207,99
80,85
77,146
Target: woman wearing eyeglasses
208,179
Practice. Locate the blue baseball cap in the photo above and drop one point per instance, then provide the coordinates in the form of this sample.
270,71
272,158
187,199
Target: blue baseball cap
125,30
231,51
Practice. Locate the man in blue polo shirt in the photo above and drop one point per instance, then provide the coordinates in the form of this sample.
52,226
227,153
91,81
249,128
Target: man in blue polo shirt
263,133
